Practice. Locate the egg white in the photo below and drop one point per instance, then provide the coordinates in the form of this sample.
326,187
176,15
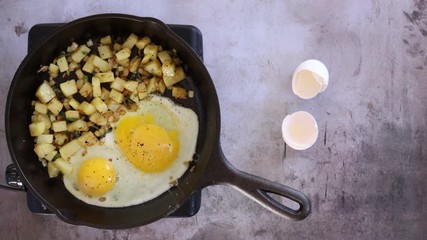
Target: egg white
132,185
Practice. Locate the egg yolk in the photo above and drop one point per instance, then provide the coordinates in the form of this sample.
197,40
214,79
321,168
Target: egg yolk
96,177
147,146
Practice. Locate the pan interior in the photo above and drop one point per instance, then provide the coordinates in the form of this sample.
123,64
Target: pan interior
51,192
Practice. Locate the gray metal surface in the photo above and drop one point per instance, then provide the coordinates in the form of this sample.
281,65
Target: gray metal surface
366,174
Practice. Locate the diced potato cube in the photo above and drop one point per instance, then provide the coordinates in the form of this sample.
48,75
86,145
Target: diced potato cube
151,50
80,74
142,95
42,149
105,94
146,59
131,86
62,64
81,52
179,76
87,139
116,96
37,128
141,43
141,88
73,47
69,149
68,88
123,54
88,67
117,47
86,89
65,103
43,118
53,70
161,86
45,138
55,106
50,156
134,64
60,138
72,115
52,170
179,92
74,103
87,108
40,108
118,84
105,52
59,126
154,67
113,105
168,69
63,165
106,40
152,85
72,66
134,97
101,64
79,83
96,87
130,41
124,63
99,105
79,126
45,93
98,119
164,57
105,77
190,94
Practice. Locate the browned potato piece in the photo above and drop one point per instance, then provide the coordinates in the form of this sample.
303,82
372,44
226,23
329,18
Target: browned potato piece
179,92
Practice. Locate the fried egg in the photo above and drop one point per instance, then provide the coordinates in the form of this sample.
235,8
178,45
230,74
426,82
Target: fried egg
145,154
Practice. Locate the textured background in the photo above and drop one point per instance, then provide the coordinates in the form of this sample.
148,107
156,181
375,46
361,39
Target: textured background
366,174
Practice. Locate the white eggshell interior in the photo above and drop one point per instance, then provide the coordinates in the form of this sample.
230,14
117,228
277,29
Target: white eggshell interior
300,130
310,78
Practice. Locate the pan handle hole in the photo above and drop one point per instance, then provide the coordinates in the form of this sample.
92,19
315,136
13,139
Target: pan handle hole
283,201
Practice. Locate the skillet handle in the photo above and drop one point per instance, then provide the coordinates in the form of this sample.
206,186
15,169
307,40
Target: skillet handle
258,189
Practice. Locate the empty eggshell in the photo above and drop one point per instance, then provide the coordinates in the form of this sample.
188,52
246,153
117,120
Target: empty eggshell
299,130
310,78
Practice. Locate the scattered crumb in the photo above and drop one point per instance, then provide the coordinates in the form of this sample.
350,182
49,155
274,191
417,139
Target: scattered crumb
20,29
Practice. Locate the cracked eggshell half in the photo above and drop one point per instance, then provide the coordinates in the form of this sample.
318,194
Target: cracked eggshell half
310,78
300,130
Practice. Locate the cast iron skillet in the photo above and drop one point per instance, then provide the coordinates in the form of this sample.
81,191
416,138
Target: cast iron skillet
210,165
